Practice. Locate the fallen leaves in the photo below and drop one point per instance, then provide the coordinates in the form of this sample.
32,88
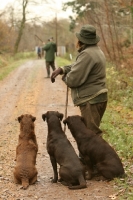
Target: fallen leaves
114,196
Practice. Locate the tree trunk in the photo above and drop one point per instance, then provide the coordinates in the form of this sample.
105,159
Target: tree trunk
22,25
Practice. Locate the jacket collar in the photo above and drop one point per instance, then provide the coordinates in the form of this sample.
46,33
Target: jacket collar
84,46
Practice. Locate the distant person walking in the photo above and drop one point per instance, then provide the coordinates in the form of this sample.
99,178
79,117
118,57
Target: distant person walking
50,48
39,52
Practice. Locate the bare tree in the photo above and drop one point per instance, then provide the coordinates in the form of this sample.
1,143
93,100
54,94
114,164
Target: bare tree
21,23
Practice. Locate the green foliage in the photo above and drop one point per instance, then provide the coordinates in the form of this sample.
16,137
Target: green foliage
62,61
117,130
75,5
72,24
126,43
117,126
80,6
119,86
131,8
3,61
24,55
8,69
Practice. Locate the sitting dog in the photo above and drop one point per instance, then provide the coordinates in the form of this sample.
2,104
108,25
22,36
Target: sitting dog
95,150
25,171
61,151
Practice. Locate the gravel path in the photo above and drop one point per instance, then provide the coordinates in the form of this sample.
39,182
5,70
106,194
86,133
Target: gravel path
27,91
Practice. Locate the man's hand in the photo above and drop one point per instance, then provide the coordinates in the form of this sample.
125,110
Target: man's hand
56,73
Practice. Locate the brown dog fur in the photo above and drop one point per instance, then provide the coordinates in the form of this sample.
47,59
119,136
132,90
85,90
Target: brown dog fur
61,151
25,172
95,150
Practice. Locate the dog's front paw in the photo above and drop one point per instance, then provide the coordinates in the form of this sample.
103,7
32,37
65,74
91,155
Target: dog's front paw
88,176
60,180
54,180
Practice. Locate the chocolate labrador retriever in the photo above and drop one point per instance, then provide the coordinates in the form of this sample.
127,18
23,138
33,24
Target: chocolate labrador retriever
61,151
25,171
95,150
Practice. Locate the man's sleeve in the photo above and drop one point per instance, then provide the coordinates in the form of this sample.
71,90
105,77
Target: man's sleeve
80,70
46,47
66,69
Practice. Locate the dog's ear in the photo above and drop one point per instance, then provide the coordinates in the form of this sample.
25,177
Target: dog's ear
44,116
82,119
65,121
60,115
19,118
33,118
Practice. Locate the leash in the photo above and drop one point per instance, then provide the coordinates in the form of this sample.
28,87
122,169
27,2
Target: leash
66,105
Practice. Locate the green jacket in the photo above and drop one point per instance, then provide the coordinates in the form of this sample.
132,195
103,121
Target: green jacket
87,76
50,49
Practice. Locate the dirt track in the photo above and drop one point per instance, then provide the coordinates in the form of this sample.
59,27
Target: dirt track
26,91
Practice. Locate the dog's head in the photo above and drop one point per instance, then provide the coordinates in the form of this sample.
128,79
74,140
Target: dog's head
49,114
26,117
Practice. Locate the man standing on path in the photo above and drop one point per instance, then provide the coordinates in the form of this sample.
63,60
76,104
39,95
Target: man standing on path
50,48
87,78
39,53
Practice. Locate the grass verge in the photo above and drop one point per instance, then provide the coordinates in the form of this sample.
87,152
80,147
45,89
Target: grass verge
62,61
117,126
9,63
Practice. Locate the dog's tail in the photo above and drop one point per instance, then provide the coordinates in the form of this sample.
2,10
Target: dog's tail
82,184
25,183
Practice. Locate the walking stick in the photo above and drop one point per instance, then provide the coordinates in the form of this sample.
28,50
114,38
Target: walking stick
66,108
67,99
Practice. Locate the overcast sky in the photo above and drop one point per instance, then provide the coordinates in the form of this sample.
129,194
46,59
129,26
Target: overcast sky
45,11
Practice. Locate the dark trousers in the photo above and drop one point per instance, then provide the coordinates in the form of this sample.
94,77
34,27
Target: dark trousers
48,65
92,114
39,55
